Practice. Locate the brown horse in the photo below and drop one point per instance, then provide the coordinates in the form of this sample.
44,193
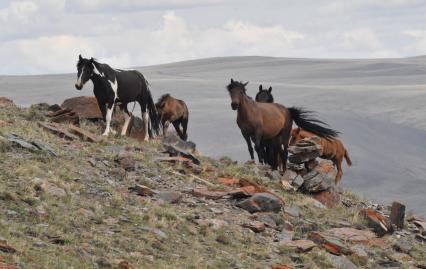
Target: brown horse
175,111
331,149
270,123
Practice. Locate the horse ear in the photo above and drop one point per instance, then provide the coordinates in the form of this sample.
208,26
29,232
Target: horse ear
260,87
79,57
270,89
232,80
245,84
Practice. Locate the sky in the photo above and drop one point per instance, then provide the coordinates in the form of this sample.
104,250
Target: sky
46,36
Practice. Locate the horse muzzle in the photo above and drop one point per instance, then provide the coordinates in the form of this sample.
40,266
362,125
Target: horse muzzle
78,86
234,106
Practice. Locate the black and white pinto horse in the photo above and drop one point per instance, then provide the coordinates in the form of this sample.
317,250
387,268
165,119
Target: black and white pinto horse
118,87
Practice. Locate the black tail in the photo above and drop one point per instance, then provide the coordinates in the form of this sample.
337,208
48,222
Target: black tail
306,120
152,110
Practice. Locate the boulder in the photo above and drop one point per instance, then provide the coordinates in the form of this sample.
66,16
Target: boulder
341,262
321,178
403,246
332,244
301,148
301,245
303,157
261,202
311,164
350,235
380,224
5,102
84,134
58,130
171,197
136,128
204,192
330,198
176,146
86,107
397,214
293,178
143,190
255,226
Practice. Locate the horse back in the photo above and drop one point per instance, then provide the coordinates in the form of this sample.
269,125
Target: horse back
131,85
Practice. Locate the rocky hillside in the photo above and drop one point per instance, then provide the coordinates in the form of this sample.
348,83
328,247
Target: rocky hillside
70,199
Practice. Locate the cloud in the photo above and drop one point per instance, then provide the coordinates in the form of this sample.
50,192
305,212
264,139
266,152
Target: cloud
96,6
363,38
417,42
44,36
174,40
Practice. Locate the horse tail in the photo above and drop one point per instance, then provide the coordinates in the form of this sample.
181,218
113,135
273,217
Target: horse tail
347,158
305,120
152,110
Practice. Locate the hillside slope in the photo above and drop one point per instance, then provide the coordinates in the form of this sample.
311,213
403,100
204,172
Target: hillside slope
77,204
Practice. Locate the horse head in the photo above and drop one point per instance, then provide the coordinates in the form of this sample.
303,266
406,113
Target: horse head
264,96
85,69
236,90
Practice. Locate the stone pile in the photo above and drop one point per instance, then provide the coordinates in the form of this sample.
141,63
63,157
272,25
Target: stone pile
306,174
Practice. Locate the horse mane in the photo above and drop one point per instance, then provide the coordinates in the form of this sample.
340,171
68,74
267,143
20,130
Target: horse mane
95,61
163,98
236,84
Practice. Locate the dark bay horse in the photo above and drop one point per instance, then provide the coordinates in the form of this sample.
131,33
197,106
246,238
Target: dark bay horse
115,86
175,111
264,96
271,122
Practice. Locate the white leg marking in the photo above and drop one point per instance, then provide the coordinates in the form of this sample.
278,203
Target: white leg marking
126,123
108,120
114,87
145,121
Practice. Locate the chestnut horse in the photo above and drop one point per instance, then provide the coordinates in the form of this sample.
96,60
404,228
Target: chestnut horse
270,123
331,149
175,111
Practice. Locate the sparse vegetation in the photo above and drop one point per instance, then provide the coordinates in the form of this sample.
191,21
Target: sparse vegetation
76,210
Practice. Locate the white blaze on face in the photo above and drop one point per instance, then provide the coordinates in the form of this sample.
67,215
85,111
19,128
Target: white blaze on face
79,78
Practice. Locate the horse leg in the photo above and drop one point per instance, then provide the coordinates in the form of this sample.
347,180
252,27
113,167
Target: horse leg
184,123
258,145
110,109
176,124
284,145
165,127
338,163
127,117
250,148
145,118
